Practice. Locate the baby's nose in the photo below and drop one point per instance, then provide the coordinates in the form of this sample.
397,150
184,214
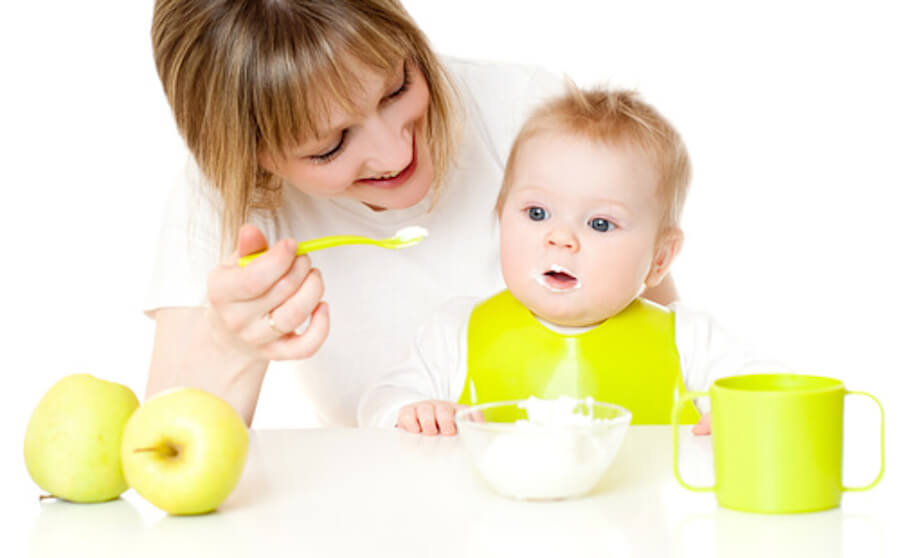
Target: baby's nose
562,238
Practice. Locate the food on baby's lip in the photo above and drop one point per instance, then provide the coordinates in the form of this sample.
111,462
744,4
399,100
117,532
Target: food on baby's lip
557,279
73,439
543,449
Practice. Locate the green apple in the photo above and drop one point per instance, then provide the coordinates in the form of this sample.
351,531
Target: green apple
184,450
74,436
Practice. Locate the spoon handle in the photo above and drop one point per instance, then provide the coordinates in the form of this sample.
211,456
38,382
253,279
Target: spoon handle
316,244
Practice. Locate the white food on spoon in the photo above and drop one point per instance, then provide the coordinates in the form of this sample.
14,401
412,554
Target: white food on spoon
411,233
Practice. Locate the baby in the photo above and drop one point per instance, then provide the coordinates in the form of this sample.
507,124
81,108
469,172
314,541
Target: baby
589,217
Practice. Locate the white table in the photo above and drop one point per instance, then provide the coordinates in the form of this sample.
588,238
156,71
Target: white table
335,492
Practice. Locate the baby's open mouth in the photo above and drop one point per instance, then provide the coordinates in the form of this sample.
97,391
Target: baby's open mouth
558,278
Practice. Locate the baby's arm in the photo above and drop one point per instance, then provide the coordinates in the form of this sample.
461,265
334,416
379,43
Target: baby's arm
709,352
432,372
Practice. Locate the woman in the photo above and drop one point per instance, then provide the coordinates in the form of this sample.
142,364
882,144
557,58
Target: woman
308,118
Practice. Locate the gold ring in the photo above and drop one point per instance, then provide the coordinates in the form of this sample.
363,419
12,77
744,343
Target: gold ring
273,326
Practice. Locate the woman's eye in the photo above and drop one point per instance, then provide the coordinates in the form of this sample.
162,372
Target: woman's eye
601,225
537,213
333,152
403,86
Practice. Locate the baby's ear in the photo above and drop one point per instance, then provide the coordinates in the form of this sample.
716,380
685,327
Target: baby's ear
667,248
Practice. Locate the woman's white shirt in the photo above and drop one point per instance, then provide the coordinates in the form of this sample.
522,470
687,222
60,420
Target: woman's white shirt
376,297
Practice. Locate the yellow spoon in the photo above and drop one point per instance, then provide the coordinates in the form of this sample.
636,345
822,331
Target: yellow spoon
406,236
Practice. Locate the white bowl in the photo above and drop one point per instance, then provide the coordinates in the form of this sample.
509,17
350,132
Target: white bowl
543,449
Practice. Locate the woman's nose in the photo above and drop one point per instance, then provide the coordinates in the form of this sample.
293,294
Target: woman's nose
390,146
562,238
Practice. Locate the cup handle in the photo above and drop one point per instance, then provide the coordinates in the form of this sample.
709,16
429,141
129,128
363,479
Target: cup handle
880,472
676,410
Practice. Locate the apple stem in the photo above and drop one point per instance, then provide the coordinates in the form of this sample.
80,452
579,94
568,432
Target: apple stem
164,450
43,497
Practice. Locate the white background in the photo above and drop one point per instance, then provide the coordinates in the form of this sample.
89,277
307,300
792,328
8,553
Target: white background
789,110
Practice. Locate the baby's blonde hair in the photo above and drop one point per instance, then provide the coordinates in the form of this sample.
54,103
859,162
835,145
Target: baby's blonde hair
246,76
615,117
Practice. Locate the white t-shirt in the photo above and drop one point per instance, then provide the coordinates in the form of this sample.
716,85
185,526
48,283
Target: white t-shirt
436,364
376,297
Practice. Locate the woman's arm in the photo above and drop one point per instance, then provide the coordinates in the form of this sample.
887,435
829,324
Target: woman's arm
186,352
253,312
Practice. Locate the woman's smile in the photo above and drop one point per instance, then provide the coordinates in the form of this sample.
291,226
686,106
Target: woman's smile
397,178
379,154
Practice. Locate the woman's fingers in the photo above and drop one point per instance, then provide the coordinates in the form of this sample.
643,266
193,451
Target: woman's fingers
295,346
290,313
262,304
230,283
250,241
285,308
286,287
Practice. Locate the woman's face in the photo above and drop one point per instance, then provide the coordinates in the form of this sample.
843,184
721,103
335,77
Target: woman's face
380,157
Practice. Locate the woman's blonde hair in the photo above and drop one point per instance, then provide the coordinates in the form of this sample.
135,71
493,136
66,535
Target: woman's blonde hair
615,117
246,76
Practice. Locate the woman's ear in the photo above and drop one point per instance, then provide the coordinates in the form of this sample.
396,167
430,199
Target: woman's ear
667,248
266,161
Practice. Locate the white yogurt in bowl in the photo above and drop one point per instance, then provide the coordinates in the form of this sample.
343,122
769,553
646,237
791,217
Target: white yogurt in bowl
541,449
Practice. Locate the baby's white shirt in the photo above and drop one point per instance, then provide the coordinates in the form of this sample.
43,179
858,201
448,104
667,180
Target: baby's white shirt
435,366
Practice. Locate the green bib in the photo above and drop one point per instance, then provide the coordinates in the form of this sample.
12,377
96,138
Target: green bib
630,359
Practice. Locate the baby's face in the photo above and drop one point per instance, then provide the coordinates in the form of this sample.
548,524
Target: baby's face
579,228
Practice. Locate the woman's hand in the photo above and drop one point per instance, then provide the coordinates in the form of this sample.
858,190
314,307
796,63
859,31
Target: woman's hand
225,349
256,309
429,418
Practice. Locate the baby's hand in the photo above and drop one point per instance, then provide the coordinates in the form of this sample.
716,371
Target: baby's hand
429,418
702,428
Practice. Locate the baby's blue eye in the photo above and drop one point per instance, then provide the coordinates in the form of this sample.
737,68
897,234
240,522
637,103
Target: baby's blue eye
537,213
601,225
